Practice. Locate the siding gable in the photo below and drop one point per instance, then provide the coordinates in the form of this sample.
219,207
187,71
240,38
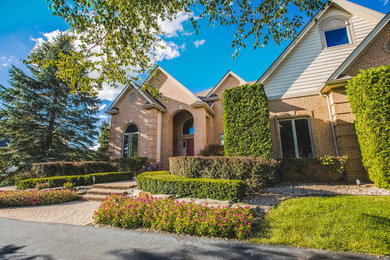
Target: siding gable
308,65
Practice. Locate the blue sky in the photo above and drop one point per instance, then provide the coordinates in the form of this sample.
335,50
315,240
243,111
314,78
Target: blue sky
197,61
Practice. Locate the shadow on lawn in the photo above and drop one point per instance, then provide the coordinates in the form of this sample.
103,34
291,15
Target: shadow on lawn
12,252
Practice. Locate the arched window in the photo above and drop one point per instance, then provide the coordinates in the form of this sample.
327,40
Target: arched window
130,141
335,31
188,127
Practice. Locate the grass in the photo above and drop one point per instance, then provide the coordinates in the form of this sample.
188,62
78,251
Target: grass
342,223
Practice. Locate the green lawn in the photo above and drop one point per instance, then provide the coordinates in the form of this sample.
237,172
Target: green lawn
342,223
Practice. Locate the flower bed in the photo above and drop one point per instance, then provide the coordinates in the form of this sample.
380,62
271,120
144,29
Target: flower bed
173,216
35,197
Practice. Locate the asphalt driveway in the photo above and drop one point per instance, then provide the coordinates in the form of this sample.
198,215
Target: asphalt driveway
35,240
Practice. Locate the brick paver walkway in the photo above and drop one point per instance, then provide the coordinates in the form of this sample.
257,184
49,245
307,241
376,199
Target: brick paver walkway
74,213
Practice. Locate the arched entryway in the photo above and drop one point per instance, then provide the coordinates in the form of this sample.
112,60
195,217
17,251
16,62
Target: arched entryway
183,134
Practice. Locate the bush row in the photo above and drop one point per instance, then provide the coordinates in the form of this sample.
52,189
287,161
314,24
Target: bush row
256,172
172,216
34,197
76,180
163,182
50,169
324,169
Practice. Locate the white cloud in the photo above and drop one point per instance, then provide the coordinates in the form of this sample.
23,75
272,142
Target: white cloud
171,28
168,51
385,2
4,64
198,43
102,107
109,93
103,116
48,37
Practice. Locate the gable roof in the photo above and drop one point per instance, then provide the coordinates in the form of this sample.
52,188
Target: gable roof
362,46
146,95
229,73
181,86
345,5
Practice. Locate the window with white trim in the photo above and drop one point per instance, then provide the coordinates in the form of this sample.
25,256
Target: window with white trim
130,141
335,31
295,138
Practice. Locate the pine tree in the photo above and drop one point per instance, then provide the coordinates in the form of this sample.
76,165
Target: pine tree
41,118
102,153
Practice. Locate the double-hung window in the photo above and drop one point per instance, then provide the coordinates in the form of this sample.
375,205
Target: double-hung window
295,138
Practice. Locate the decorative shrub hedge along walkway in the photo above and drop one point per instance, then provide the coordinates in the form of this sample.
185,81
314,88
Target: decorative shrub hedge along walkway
35,197
76,180
162,182
173,216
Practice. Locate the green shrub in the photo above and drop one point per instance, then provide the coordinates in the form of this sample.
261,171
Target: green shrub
369,96
255,172
323,169
68,185
76,180
136,164
246,122
213,150
173,216
41,186
162,182
50,169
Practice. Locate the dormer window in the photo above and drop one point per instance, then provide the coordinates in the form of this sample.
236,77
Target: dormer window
335,31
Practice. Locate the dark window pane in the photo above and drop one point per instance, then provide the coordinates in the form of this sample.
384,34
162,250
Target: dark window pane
134,145
131,129
126,146
303,138
336,37
188,127
287,139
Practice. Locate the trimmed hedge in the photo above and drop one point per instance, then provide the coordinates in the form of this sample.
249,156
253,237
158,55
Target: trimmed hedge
213,150
327,169
50,169
255,172
369,96
246,121
162,182
76,180
137,164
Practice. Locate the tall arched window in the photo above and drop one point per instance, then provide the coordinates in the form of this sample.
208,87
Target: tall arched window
188,127
130,141
335,31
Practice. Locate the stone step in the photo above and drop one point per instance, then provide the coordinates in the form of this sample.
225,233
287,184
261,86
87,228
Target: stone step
116,185
93,197
105,191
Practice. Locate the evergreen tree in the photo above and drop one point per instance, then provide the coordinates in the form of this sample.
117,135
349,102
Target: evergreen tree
41,118
102,153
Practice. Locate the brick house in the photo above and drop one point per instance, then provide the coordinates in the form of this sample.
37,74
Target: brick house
310,113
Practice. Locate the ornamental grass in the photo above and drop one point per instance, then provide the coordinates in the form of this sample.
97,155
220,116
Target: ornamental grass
176,217
35,197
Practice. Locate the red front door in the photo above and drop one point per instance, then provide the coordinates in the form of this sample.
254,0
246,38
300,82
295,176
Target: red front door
190,147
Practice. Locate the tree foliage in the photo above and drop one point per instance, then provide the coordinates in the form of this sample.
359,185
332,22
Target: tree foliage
246,122
118,38
43,121
102,153
369,96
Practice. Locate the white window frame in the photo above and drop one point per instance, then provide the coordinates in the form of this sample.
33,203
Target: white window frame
348,26
295,135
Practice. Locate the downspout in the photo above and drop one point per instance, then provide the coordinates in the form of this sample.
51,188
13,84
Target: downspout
331,124
159,128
